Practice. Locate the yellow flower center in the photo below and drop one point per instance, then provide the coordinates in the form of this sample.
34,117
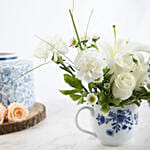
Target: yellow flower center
82,38
92,99
107,85
130,54
148,85
74,42
97,79
127,42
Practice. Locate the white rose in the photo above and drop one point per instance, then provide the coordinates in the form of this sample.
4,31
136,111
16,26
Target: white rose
90,64
45,50
124,85
132,62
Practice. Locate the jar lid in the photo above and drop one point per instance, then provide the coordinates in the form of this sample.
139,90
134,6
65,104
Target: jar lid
7,56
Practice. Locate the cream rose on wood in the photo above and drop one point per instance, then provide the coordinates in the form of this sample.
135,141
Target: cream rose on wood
17,112
3,113
123,86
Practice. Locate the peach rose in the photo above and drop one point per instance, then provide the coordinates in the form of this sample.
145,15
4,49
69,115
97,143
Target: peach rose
3,113
17,112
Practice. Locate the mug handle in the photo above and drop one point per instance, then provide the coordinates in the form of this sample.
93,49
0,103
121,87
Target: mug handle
77,122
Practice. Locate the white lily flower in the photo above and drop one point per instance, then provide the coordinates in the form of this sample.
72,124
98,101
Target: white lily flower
122,45
91,98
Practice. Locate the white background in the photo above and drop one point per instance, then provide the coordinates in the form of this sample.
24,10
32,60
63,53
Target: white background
21,19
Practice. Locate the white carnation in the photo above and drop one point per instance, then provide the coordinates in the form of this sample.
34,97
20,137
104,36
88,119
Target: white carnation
90,64
45,50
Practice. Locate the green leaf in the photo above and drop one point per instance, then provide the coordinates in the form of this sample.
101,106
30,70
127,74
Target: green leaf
91,85
125,102
116,101
68,92
135,60
73,81
84,94
95,39
106,70
84,41
94,46
137,103
59,60
75,97
101,98
148,102
105,109
53,56
81,101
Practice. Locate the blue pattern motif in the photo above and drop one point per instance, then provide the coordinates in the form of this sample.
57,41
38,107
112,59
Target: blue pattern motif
120,120
22,90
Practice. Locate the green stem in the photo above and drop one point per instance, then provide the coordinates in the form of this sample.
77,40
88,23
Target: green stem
115,39
32,70
84,88
88,22
72,6
75,30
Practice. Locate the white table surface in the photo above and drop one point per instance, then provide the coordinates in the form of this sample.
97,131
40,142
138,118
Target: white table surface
58,131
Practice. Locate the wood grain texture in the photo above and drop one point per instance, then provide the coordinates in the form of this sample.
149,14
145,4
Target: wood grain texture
36,114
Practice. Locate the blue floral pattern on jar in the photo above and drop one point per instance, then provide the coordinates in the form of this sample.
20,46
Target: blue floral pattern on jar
119,120
21,90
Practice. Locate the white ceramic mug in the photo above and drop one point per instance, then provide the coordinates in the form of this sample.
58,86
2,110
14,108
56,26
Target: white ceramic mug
21,90
115,129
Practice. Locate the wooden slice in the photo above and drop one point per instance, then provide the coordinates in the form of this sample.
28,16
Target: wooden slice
36,114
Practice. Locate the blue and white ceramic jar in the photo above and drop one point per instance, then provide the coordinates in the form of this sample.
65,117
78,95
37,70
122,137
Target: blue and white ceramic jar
114,129
21,90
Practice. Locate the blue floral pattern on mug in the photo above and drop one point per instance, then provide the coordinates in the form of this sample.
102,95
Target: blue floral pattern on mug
120,120
22,90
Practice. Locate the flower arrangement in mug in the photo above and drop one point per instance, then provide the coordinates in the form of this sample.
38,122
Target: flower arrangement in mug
100,74
15,112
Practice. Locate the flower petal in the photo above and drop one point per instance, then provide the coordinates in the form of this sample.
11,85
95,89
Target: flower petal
122,94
